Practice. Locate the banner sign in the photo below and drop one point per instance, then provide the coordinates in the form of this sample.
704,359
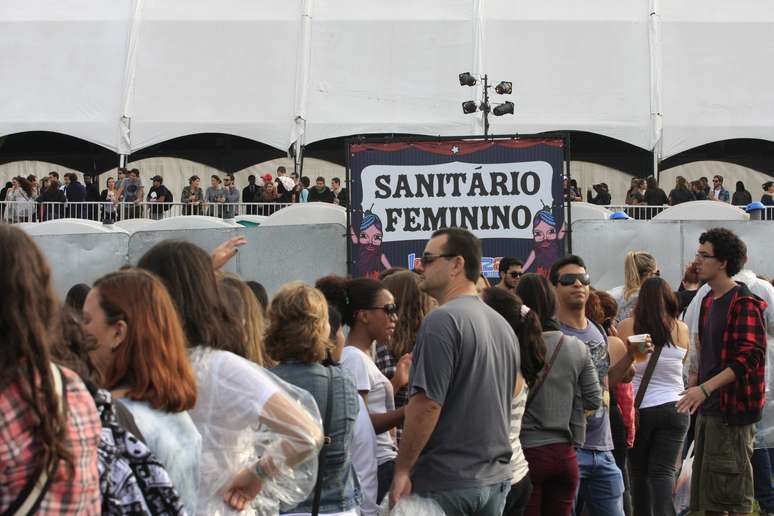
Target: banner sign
508,192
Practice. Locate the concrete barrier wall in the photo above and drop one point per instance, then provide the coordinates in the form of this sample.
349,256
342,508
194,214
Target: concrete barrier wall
603,244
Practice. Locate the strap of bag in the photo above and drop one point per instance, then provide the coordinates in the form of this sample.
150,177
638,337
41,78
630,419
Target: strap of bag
324,450
36,488
544,374
646,377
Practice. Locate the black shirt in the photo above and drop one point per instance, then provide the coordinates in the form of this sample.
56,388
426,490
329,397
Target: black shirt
655,197
711,346
680,195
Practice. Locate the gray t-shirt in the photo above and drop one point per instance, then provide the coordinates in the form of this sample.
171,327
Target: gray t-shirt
598,434
131,189
466,358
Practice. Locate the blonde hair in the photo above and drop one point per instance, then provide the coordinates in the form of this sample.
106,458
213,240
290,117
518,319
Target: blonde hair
638,265
243,301
298,324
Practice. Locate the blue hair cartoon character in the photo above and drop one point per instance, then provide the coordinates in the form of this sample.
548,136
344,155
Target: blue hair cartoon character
367,242
548,235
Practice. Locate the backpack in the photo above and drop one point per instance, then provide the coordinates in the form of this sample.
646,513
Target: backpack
131,479
168,199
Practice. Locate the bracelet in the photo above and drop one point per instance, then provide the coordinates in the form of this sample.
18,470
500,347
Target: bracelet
704,390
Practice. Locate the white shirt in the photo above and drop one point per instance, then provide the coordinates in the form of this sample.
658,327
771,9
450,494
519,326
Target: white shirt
381,399
364,460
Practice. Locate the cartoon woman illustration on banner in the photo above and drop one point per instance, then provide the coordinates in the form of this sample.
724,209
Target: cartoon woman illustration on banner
368,256
548,237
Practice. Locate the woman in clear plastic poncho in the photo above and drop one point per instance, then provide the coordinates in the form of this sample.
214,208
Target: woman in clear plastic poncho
260,435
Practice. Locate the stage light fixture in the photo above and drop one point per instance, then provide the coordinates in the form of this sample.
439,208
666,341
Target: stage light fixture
504,88
469,107
466,79
506,108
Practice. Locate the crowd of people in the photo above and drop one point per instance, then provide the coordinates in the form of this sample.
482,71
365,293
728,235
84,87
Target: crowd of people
647,192
125,196
174,388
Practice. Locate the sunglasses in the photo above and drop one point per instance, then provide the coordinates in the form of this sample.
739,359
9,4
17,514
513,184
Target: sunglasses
515,275
567,280
390,308
427,259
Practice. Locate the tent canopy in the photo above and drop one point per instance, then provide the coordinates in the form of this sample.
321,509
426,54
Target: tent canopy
130,74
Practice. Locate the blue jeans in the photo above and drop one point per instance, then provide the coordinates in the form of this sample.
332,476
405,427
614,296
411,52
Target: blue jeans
764,491
601,484
474,501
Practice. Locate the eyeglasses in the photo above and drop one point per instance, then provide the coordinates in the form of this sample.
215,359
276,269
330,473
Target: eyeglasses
427,259
705,256
515,275
390,308
567,280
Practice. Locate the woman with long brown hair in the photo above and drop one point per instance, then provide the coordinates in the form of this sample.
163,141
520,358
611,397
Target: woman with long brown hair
245,304
141,355
662,429
260,435
393,358
50,428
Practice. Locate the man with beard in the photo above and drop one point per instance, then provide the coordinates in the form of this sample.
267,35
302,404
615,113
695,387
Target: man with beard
547,234
369,259
510,273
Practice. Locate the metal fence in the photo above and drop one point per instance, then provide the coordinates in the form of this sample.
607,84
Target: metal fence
30,211
645,212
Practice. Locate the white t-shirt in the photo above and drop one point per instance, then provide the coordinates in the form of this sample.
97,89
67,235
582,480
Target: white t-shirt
364,460
381,398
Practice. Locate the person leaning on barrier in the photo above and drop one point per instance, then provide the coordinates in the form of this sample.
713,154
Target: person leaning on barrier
192,197
602,198
158,198
52,201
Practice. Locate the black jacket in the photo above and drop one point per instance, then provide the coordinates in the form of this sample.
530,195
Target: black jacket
324,195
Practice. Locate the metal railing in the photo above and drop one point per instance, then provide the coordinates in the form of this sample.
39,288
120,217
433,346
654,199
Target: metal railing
645,212
29,211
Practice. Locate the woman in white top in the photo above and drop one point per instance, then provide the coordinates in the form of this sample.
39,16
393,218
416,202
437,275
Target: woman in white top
661,430
370,312
142,359
260,435
638,266
532,352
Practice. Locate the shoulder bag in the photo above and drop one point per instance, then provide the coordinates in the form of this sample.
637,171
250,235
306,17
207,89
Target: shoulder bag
543,374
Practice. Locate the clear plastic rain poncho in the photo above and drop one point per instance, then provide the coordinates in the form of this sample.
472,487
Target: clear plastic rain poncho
243,413
764,429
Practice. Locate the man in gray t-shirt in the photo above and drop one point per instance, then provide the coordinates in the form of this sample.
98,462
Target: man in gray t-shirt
455,446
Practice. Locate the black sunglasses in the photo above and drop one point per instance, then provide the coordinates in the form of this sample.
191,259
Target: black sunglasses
389,308
427,259
515,275
570,279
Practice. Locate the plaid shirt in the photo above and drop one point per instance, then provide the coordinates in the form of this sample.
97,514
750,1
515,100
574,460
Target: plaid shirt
744,351
387,363
78,494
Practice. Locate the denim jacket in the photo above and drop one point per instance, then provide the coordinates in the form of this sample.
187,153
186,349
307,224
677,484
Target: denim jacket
340,487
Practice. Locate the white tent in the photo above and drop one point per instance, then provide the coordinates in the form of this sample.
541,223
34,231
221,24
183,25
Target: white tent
127,74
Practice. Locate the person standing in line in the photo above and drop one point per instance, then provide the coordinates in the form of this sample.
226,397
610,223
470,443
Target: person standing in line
130,193
554,423
141,355
231,196
158,197
251,194
532,351
37,434
729,390
464,374
339,193
718,192
214,197
661,431
603,197
108,197
767,199
371,314
654,196
601,482
638,266
681,192
699,192
741,196
192,197
320,193
511,270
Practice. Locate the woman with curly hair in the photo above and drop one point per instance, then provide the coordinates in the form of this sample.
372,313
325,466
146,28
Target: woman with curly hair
298,338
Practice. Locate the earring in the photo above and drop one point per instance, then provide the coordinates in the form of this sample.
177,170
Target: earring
114,346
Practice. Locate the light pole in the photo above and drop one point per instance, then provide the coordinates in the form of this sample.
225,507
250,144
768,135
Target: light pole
470,106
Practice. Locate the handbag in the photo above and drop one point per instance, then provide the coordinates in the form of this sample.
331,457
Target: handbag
37,486
544,374
324,449
644,384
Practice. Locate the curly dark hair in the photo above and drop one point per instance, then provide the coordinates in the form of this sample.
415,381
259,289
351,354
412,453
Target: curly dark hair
728,247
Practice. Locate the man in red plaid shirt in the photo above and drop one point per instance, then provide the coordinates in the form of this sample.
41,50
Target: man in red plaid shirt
731,382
